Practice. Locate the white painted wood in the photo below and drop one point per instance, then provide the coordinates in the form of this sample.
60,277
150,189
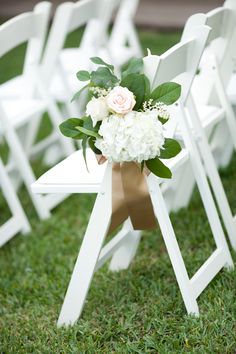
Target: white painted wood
88,255
123,42
91,255
22,106
18,222
59,66
207,272
126,252
209,90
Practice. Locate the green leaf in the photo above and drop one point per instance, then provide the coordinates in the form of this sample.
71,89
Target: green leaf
162,120
136,83
103,78
91,142
170,149
77,94
168,93
135,66
83,75
69,128
147,88
84,146
142,165
99,61
88,132
158,168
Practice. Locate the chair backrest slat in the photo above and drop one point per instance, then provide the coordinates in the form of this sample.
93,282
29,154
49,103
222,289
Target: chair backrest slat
178,64
69,17
23,28
82,12
215,20
220,45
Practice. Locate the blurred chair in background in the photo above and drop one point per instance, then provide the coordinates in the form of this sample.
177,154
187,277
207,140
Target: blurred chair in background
59,66
210,109
124,42
24,99
18,221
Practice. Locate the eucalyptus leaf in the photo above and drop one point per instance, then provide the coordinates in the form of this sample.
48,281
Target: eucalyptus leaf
147,88
136,83
100,61
170,149
135,66
83,75
88,132
91,142
68,128
162,120
142,165
84,146
168,93
158,168
103,78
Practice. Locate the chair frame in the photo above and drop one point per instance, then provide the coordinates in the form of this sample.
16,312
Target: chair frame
31,27
186,56
18,221
222,22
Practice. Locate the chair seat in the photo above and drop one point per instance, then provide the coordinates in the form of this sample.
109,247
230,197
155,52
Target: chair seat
19,110
231,91
72,176
17,87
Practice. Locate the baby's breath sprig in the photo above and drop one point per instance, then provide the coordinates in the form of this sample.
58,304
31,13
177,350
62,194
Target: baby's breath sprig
160,107
98,91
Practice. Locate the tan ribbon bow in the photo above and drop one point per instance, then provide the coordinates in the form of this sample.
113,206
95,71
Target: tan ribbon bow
130,197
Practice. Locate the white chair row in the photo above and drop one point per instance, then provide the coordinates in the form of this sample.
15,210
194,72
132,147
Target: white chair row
209,101
49,76
179,64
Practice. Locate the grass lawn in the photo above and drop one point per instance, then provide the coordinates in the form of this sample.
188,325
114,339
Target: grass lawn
139,310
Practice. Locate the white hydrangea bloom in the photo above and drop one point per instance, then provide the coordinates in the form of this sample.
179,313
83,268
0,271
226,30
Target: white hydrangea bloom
137,136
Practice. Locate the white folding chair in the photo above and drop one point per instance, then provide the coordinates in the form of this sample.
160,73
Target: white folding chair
60,65
18,222
24,110
124,42
209,92
178,64
210,87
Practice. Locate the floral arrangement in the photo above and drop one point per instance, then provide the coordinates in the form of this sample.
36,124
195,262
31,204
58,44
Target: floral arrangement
124,119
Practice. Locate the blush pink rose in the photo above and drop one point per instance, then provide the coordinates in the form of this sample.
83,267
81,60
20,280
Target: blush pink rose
120,100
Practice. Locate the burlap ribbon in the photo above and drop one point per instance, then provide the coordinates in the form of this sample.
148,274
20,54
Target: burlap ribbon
130,197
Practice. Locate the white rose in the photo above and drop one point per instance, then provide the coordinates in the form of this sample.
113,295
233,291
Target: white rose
97,109
138,136
120,100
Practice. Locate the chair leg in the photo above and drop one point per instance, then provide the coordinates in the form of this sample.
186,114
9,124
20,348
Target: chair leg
26,172
88,256
122,258
221,145
225,103
13,201
172,246
215,181
178,192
